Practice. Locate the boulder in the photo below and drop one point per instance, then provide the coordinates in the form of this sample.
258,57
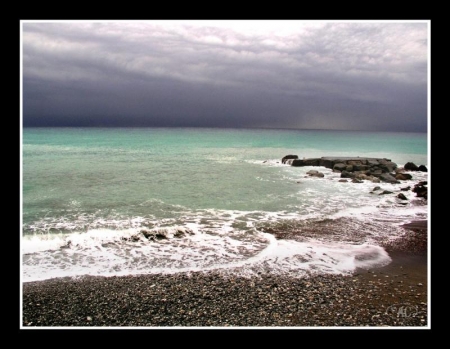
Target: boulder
402,196
314,173
287,157
410,166
312,162
346,174
339,167
326,163
386,177
387,166
421,190
297,162
372,163
288,161
360,167
423,168
403,176
363,176
376,173
384,192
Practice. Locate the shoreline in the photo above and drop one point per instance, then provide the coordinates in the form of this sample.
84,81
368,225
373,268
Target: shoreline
393,295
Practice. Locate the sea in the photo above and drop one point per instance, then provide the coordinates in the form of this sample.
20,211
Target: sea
130,201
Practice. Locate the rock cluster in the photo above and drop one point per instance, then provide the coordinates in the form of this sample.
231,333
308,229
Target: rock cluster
373,169
358,168
421,190
159,234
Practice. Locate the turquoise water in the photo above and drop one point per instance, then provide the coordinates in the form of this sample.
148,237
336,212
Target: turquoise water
104,184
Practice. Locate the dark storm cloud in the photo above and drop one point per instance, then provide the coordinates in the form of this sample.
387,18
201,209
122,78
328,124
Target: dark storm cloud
222,74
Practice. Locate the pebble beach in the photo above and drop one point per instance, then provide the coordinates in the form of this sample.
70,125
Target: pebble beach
395,295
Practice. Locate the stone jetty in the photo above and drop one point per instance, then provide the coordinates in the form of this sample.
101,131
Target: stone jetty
356,168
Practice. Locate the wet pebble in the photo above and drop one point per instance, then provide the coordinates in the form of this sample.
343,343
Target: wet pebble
211,299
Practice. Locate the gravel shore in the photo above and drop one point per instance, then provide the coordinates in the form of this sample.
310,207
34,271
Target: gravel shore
394,295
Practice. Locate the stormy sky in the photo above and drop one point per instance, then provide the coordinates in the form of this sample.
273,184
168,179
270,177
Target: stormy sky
351,75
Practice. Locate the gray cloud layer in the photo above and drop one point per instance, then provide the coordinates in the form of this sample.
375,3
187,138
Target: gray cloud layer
226,74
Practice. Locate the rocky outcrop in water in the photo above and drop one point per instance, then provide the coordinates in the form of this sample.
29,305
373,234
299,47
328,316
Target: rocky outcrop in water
289,157
422,168
421,190
374,169
357,169
314,173
159,234
410,166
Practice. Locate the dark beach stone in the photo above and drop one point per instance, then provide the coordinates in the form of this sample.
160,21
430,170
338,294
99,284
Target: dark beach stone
410,166
376,188
403,176
314,173
389,166
422,194
360,167
343,180
376,172
372,163
283,160
363,176
406,188
386,177
339,167
297,162
346,174
384,192
312,162
402,196
423,168
327,163
356,180
421,190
